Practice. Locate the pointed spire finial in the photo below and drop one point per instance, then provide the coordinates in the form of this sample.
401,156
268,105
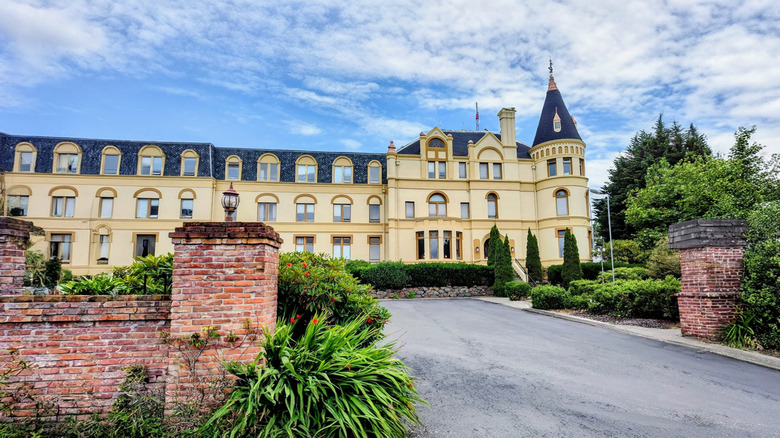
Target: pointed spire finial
550,68
551,86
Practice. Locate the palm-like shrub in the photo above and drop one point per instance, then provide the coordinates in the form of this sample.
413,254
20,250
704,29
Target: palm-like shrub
331,382
147,275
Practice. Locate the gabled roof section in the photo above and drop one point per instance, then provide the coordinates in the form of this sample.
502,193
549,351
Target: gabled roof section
460,144
553,104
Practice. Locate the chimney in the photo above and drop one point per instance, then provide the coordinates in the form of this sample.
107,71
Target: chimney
506,118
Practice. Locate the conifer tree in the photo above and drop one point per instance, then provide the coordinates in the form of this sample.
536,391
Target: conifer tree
503,269
494,241
533,261
571,260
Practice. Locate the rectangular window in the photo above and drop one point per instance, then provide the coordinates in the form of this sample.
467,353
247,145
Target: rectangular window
442,169
144,244
373,213
232,171
189,166
561,235
268,172
551,168
459,245
374,175
106,207
186,208
483,170
60,246
431,169
266,211
151,165
433,244
342,247
446,243
63,206
67,163
420,245
491,207
461,170
409,209
304,243
342,174
111,164
582,167
103,247
147,208
342,213
17,205
25,161
374,243
567,166
497,171
304,213
305,173
464,210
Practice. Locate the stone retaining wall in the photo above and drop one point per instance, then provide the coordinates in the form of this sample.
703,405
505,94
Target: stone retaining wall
434,292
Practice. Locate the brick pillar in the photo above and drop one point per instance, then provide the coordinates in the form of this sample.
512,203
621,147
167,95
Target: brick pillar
711,253
224,274
14,234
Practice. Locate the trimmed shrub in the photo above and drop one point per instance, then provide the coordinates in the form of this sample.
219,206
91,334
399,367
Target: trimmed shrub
554,274
354,267
332,382
583,287
533,261
590,271
634,273
636,298
548,297
385,275
517,290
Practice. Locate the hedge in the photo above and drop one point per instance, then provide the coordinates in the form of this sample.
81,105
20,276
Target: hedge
590,271
395,275
517,290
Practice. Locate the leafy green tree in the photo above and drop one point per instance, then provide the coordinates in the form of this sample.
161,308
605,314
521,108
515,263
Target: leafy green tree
533,261
704,188
495,239
503,269
571,259
674,144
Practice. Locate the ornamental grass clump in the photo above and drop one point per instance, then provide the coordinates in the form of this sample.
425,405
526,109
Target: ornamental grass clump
334,381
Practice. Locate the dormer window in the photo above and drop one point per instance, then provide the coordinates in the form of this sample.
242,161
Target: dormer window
557,121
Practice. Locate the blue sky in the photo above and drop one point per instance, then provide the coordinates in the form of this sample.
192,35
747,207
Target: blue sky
354,75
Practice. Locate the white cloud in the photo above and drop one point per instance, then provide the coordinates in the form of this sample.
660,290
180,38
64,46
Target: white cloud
351,144
303,128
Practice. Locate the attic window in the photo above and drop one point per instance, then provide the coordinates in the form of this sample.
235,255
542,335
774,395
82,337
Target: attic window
557,121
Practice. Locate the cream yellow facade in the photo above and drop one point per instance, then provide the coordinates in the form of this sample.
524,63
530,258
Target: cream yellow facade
103,202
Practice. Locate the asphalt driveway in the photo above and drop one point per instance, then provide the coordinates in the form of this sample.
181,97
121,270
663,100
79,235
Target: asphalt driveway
494,371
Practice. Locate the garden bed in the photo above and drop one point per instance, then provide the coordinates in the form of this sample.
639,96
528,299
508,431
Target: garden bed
638,322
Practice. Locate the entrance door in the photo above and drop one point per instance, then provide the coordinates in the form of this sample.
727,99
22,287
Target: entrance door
144,244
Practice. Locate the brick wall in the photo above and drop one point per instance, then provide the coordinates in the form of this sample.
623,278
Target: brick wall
79,345
14,234
711,253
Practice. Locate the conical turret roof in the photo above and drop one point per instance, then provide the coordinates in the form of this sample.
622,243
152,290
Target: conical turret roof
554,109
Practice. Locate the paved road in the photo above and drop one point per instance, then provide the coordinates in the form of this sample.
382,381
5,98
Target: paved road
493,371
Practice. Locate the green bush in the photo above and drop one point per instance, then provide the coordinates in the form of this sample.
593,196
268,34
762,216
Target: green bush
384,275
626,251
583,287
311,284
554,274
35,269
634,273
427,274
590,271
636,298
331,382
354,267
663,261
52,272
517,290
150,275
548,297
465,274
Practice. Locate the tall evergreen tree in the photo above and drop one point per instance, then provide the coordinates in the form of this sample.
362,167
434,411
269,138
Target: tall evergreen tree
533,261
494,240
571,259
629,169
503,269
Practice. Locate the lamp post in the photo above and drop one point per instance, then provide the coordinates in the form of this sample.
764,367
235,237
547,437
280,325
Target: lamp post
229,202
609,223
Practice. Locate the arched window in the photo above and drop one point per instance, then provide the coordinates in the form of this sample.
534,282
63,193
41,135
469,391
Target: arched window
374,209
342,209
151,160
342,170
26,156
306,169
109,164
67,158
18,200
147,203
63,201
233,168
187,204
268,168
106,197
374,172
437,205
492,205
562,202
190,160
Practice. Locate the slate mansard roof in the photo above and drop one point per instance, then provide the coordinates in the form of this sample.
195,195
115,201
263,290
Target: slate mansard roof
211,162
460,144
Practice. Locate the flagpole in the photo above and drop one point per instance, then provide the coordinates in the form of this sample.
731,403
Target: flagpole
477,117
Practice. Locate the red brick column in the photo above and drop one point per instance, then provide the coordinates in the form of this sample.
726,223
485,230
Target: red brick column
711,253
14,234
224,280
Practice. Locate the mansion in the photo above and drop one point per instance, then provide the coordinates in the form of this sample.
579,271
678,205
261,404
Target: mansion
103,202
